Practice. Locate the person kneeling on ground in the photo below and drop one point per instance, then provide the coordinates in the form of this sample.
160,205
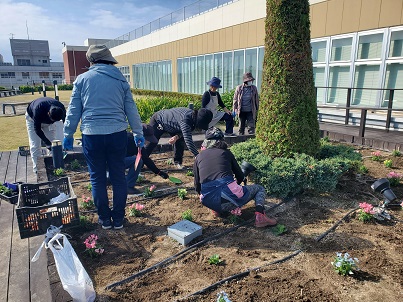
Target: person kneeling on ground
131,154
179,123
213,171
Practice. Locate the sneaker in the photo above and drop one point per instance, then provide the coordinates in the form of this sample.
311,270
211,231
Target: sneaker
179,166
106,224
241,133
133,191
261,220
229,134
117,225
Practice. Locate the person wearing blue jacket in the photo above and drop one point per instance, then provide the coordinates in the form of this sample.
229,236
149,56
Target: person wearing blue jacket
102,100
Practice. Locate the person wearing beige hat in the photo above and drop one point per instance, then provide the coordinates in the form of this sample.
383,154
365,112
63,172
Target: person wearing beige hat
246,103
102,100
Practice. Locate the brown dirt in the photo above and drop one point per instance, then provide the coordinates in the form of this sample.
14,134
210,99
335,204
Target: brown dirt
307,277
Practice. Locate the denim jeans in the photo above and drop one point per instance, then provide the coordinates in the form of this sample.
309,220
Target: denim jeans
131,177
102,151
229,123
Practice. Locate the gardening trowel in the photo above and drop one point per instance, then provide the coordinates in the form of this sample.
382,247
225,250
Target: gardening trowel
138,157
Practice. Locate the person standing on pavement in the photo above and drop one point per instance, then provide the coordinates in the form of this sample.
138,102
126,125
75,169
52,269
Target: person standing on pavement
131,155
214,169
179,124
246,104
211,99
102,99
44,119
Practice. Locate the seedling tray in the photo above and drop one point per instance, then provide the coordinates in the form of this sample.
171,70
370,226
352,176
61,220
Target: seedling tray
13,199
23,150
34,216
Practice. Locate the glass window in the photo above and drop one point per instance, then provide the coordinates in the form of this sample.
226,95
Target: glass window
227,71
44,75
209,72
193,75
251,61
319,78
25,75
370,47
366,76
394,79
396,42
218,65
201,80
341,49
339,76
55,75
319,51
185,69
238,66
180,75
260,69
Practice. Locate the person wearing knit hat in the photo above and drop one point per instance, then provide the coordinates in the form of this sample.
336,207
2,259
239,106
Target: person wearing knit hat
214,169
211,100
102,100
246,103
179,124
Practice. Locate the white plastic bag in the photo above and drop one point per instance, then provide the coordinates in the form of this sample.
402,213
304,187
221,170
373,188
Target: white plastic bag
73,276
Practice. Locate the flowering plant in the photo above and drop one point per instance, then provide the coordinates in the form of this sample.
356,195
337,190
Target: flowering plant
344,265
182,193
394,178
388,163
376,155
366,212
223,297
148,192
87,203
396,153
92,247
235,216
187,215
135,210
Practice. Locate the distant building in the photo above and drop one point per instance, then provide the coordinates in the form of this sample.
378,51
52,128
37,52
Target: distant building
31,65
74,59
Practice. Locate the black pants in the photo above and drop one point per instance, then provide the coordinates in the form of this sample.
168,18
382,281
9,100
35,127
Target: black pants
246,117
229,123
179,146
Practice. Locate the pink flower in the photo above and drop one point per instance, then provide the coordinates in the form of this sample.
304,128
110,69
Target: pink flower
87,245
376,153
394,175
139,207
367,208
401,204
152,188
236,212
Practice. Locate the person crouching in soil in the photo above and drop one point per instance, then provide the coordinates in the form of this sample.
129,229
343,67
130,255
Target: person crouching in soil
214,169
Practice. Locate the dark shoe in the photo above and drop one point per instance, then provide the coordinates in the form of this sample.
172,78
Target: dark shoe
261,220
229,134
132,191
106,224
241,133
117,226
251,131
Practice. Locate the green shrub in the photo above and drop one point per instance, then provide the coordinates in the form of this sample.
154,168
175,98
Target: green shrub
227,98
2,88
396,153
289,176
195,98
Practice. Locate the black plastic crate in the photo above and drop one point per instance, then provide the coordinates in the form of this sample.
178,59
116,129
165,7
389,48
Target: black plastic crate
23,150
34,217
11,199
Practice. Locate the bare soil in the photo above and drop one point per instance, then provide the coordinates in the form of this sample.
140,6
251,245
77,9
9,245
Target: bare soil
308,276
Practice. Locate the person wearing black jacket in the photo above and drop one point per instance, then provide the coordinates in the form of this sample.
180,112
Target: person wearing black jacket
131,154
179,124
44,119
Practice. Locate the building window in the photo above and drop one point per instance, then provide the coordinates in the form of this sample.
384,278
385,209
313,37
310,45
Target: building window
396,44
394,79
319,78
339,76
125,71
57,75
153,76
44,61
319,51
44,75
366,76
370,47
341,49
6,75
25,75
23,62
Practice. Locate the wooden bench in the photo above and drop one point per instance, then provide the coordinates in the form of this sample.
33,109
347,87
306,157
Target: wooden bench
13,106
9,92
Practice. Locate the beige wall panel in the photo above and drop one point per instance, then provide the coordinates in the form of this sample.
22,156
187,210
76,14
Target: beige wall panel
391,13
205,43
334,17
236,36
351,16
318,20
228,38
252,36
243,41
222,39
200,44
214,44
369,17
260,31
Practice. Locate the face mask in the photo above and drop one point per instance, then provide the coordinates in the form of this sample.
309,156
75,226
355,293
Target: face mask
249,83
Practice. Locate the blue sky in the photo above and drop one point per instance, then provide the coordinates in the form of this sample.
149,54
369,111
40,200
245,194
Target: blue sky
73,21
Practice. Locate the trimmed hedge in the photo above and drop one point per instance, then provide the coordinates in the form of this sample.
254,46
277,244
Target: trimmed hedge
28,89
287,119
283,177
195,98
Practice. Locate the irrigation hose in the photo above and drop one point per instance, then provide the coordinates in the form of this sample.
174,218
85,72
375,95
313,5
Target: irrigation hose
247,272
188,249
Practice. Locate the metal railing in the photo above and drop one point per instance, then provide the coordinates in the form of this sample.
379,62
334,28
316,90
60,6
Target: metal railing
185,13
364,110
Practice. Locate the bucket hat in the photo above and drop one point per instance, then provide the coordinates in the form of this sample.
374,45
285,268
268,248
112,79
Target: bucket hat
148,133
99,53
247,76
215,82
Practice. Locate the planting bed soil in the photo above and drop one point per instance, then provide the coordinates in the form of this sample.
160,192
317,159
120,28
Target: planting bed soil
308,276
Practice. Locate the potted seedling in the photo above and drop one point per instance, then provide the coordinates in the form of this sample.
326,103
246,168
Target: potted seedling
182,193
59,172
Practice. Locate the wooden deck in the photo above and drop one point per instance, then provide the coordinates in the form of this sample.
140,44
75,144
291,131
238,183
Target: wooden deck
21,280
